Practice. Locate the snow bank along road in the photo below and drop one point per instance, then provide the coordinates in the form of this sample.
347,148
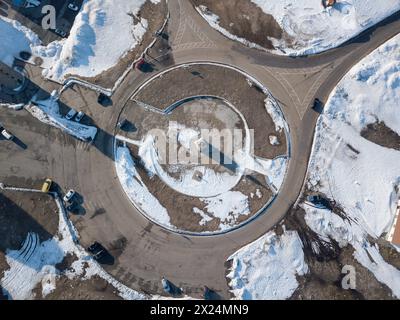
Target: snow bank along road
145,252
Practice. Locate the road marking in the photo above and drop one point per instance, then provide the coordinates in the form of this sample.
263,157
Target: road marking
185,24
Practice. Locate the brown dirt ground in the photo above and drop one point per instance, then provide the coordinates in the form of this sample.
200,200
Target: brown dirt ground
94,288
382,135
155,15
246,20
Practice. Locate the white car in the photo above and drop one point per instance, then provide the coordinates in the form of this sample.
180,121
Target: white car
7,135
79,116
71,113
70,194
73,7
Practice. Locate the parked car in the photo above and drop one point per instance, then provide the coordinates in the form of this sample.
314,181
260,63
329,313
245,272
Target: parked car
47,185
71,113
104,100
60,32
318,201
97,250
140,64
69,195
166,285
7,134
73,7
79,116
122,123
318,105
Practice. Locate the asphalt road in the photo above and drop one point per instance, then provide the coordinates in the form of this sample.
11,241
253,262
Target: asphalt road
145,252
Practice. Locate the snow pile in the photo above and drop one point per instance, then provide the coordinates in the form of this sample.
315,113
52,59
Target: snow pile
35,262
92,46
136,190
311,28
48,112
267,268
361,176
14,38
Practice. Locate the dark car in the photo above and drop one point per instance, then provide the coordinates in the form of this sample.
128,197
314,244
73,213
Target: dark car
140,64
97,250
319,202
104,100
122,123
318,106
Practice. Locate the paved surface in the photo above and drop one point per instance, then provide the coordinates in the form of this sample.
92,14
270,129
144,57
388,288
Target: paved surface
145,252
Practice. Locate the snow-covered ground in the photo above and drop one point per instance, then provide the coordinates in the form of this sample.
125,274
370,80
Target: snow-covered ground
267,268
313,28
48,112
361,176
14,38
35,263
136,190
103,32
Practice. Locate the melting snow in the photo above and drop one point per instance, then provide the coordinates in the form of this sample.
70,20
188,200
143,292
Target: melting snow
266,269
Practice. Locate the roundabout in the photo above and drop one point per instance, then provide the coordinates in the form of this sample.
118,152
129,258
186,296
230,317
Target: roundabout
207,154
181,96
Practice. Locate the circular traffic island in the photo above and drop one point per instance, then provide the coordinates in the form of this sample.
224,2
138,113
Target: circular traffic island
201,149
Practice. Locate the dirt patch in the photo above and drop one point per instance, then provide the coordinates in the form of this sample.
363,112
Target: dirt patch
246,20
155,14
95,288
382,135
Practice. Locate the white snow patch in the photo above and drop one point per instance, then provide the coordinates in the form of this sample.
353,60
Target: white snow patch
16,107
227,207
266,269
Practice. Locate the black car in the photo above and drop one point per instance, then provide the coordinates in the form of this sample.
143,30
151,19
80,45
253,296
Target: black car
319,201
122,123
318,106
97,250
104,100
